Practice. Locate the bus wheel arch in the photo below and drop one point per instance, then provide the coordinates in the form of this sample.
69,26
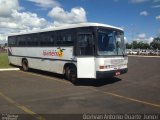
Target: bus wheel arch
70,72
25,66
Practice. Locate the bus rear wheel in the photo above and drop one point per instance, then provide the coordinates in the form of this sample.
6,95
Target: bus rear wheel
25,65
71,74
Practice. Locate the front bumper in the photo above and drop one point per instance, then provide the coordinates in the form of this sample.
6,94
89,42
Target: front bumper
105,74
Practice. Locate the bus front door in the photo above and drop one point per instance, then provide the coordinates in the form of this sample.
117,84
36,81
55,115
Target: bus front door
86,67
85,58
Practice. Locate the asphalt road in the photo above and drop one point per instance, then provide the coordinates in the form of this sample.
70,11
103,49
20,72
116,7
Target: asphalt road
39,92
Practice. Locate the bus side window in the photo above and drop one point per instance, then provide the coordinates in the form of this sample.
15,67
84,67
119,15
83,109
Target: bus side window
67,40
51,40
35,40
12,41
64,39
47,39
21,40
31,41
58,41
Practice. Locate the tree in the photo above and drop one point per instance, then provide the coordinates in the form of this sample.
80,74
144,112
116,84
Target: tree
128,46
155,44
146,46
134,45
141,45
138,45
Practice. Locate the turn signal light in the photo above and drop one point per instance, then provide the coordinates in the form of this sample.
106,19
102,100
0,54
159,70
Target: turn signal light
101,67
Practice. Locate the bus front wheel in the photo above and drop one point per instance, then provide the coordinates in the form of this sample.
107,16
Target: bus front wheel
25,65
71,74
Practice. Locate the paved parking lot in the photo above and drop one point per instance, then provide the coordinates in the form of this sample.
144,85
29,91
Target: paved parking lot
39,92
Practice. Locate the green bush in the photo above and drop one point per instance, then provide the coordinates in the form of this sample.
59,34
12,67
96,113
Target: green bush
4,60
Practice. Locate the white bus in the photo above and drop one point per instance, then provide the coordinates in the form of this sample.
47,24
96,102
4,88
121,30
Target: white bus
86,50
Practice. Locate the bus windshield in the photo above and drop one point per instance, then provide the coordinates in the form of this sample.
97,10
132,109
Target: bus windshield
111,42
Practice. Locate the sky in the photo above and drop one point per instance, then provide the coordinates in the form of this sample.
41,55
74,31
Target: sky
140,19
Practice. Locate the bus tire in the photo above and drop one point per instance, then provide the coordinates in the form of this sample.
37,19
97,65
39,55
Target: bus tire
71,74
25,65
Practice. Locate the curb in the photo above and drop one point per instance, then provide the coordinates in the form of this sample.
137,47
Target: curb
9,69
144,56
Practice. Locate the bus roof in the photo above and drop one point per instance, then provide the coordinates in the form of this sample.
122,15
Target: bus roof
69,26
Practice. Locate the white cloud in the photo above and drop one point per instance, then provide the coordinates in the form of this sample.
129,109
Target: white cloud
142,37
158,17
7,6
138,1
149,40
12,20
155,1
22,20
3,37
145,40
46,3
28,19
8,25
156,6
76,15
144,13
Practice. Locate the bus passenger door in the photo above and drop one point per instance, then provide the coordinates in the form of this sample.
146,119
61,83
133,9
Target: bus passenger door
85,56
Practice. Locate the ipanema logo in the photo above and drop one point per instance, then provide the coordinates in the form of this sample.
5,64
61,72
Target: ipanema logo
58,52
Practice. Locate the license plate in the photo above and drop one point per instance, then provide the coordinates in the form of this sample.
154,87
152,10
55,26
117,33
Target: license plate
118,73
